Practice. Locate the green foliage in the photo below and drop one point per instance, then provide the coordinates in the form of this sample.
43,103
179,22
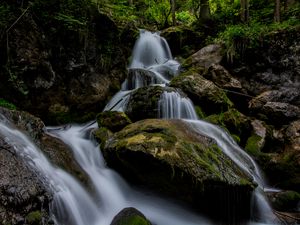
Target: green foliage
158,12
185,17
239,37
6,104
119,10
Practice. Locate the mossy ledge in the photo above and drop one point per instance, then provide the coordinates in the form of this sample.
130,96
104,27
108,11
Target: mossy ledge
166,156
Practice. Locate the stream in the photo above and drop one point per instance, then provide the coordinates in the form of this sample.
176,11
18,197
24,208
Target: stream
74,204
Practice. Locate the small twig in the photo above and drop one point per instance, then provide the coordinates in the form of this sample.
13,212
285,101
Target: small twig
17,20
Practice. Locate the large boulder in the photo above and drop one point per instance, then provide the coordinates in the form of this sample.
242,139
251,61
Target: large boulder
167,156
205,57
113,120
277,113
130,216
202,92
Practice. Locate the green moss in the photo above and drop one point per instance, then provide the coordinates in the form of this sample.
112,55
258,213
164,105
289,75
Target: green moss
133,220
252,145
34,218
6,104
199,112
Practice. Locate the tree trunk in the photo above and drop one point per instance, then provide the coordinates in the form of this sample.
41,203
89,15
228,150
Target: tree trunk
277,11
172,2
130,2
204,10
245,11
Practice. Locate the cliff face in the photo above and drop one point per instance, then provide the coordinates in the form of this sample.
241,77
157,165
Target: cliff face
59,67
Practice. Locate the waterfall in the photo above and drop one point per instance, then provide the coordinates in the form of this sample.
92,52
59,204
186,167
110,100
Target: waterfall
70,202
109,193
173,106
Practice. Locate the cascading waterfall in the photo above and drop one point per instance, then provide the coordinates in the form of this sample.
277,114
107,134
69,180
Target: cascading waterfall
109,193
173,105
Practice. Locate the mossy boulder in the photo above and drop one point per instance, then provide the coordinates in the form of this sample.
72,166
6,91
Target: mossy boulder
130,216
113,120
102,135
202,92
167,156
143,102
236,123
285,200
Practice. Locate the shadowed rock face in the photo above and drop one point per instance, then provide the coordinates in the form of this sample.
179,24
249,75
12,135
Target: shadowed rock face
167,156
59,74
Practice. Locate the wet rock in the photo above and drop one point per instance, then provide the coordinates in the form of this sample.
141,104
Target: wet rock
113,120
202,92
130,216
167,156
57,151
21,189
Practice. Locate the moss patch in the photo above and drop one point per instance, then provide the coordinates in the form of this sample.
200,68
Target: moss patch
252,145
34,218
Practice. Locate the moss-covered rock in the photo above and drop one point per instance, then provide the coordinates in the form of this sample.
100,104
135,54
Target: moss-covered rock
236,123
102,135
202,92
167,156
130,216
285,200
113,120
34,218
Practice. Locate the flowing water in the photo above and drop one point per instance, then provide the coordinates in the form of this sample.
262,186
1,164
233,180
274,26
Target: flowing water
109,193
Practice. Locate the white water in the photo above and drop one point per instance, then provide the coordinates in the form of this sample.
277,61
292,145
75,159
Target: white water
109,192
173,105
152,55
